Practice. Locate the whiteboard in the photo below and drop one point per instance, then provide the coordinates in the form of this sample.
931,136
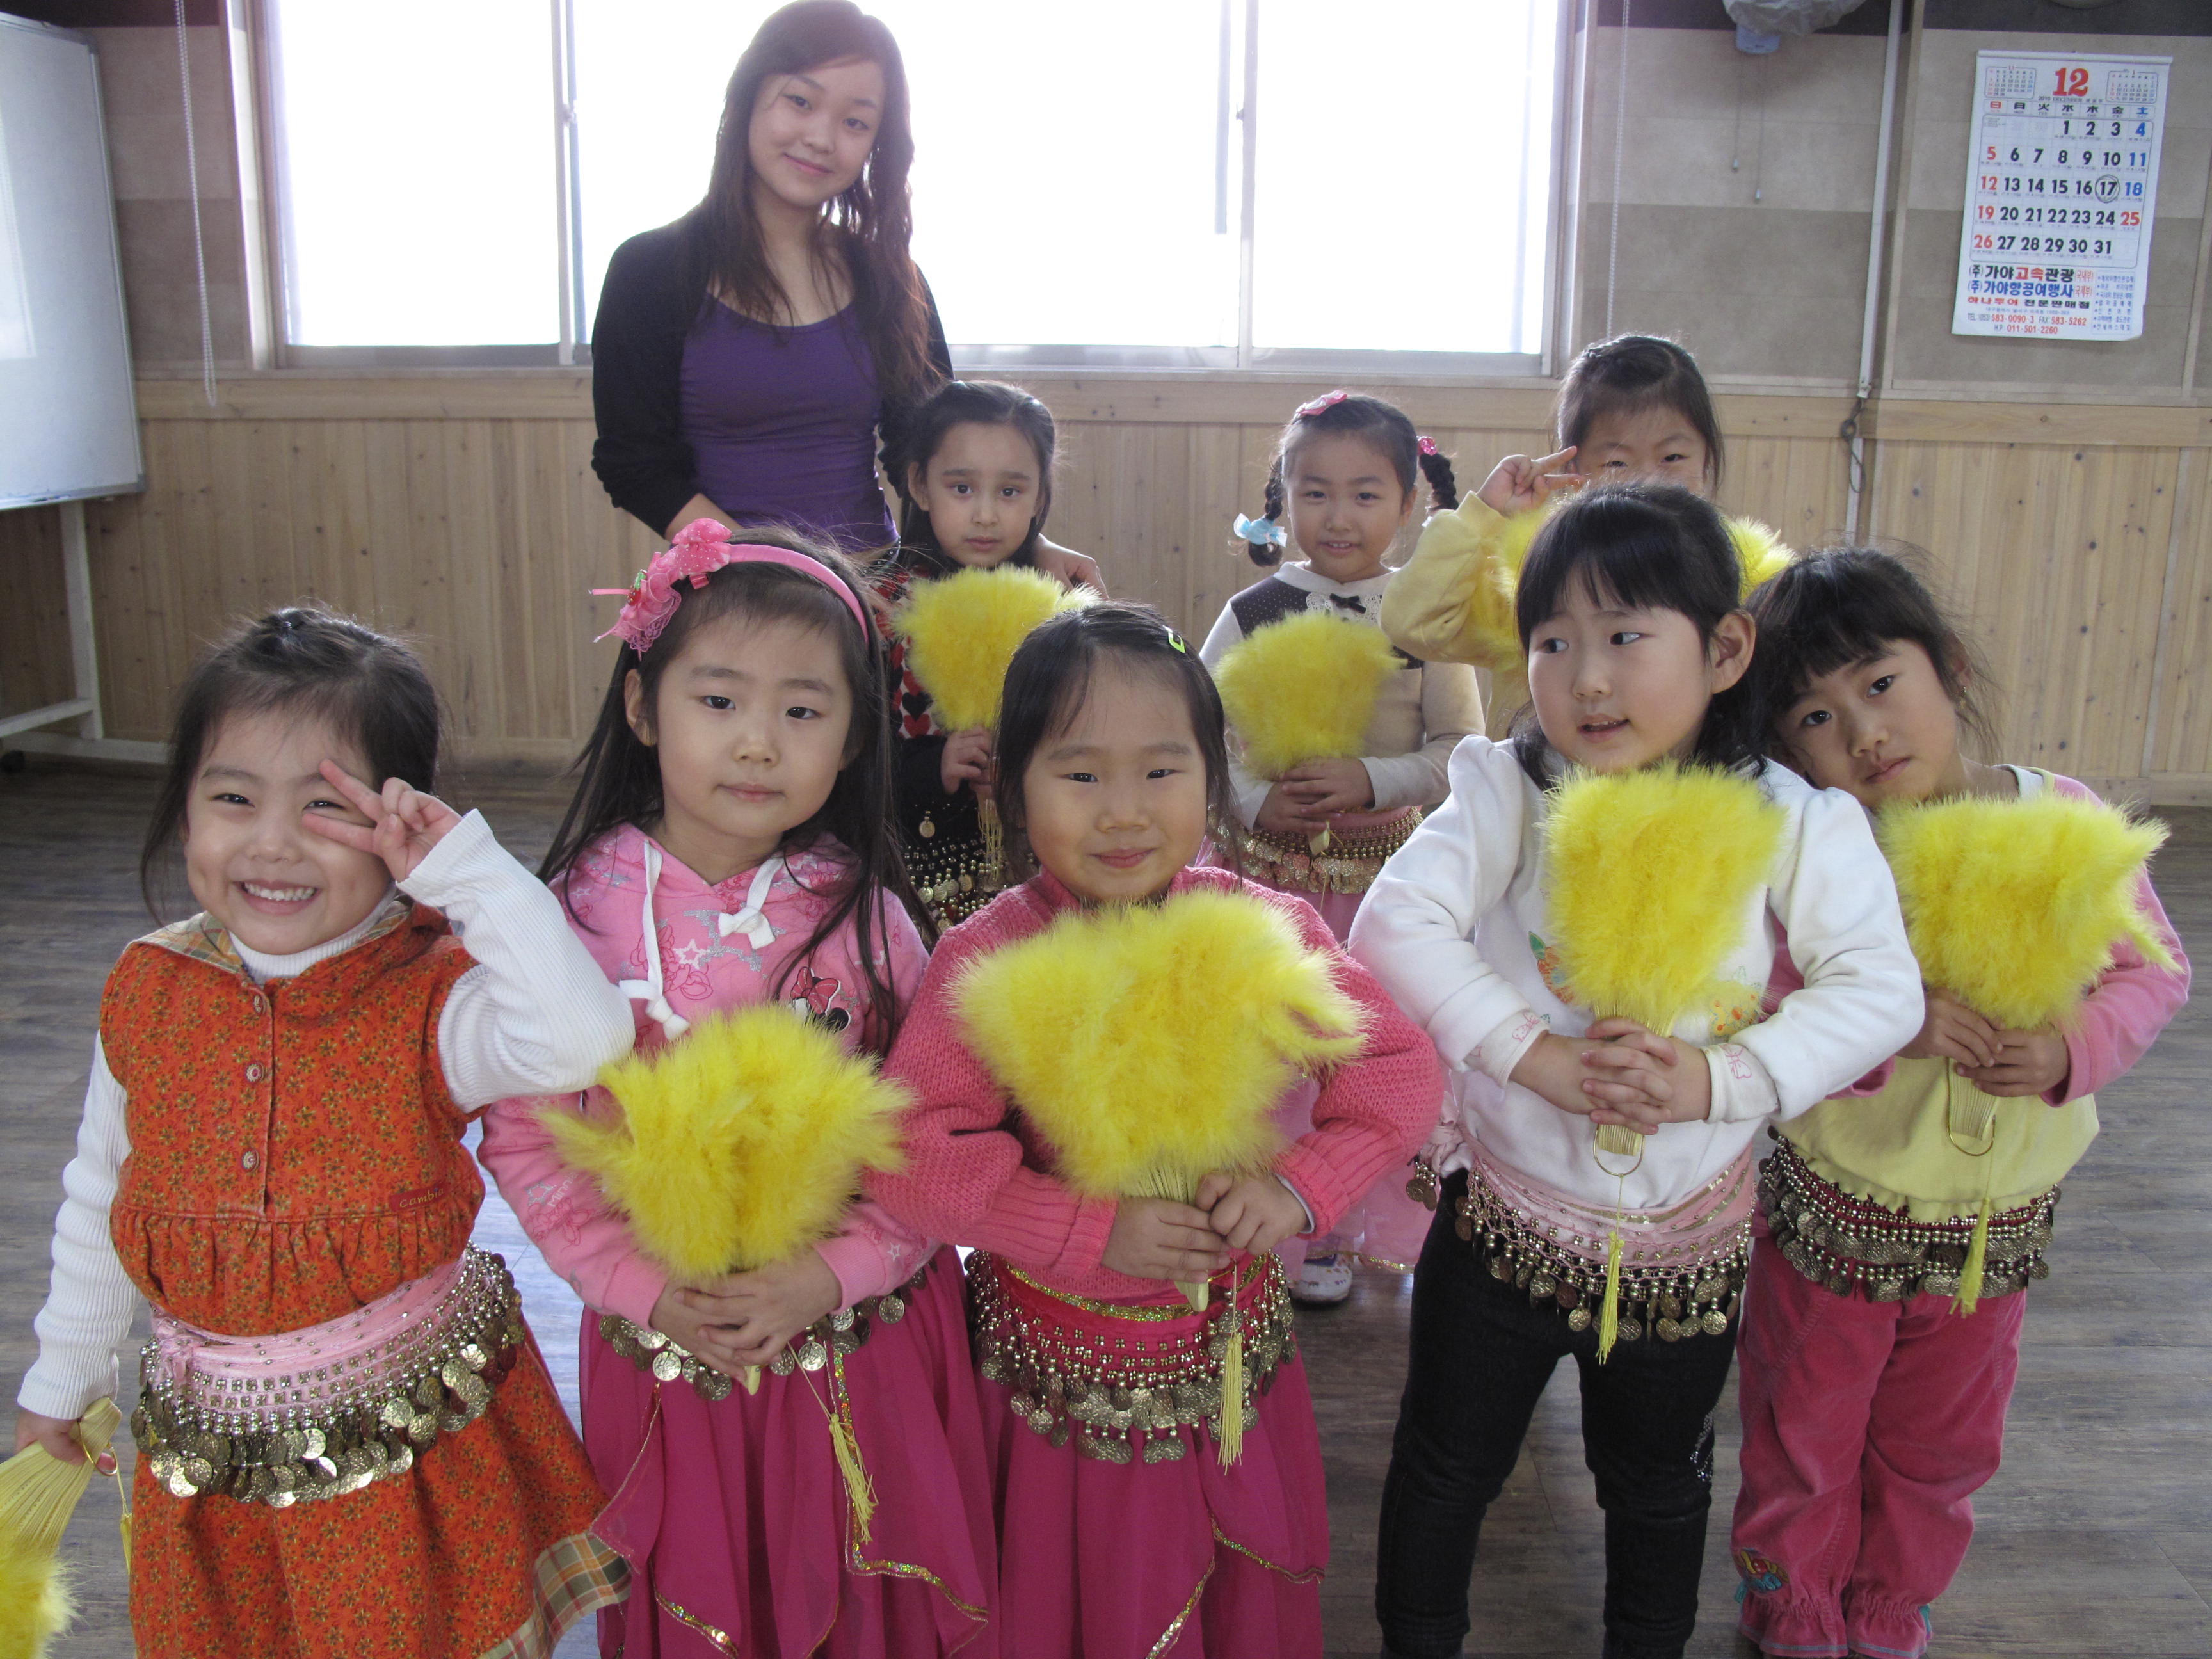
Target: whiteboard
69,422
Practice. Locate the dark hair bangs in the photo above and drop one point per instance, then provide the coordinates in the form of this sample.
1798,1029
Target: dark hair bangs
1049,681
1837,607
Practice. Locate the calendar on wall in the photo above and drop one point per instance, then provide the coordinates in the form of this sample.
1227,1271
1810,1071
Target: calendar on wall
2062,179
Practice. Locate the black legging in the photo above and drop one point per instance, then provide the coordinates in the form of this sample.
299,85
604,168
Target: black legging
1481,1357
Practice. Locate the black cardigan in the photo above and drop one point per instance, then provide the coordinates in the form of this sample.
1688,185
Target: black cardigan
653,295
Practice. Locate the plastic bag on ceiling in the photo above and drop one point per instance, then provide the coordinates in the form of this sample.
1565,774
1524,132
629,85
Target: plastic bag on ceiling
1790,17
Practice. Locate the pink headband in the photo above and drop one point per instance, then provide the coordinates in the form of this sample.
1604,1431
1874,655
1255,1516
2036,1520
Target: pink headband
1327,400
701,548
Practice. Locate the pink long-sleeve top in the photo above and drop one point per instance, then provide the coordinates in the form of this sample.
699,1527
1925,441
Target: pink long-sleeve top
978,1172
717,946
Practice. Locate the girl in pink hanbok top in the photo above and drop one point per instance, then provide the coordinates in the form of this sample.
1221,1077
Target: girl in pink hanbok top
729,845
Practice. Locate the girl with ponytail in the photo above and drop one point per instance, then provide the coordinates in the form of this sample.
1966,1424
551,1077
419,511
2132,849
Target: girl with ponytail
1340,741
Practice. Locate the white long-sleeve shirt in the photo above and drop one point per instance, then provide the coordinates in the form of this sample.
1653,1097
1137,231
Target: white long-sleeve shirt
534,1016
1420,714
1454,923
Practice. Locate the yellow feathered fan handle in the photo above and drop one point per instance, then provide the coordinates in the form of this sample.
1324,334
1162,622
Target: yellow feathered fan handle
2015,906
962,632
39,1493
1650,871
739,1144
1303,688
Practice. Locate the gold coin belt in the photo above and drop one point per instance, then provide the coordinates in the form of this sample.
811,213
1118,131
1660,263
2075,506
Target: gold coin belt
1853,1246
1668,1298
1122,1397
955,880
843,1333
1348,864
325,1432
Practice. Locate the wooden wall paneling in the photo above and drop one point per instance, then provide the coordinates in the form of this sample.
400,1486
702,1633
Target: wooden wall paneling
2070,628
545,608
35,642
1225,480
474,685
2183,741
391,589
507,553
1797,486
423,566
2118,542
154,590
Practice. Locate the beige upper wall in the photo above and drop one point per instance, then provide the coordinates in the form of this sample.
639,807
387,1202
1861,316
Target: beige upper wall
1774,288
143,91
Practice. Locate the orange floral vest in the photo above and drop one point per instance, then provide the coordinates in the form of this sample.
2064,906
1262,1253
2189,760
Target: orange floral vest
294,1151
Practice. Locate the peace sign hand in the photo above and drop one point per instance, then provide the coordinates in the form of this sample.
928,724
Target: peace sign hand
1520,483
404,824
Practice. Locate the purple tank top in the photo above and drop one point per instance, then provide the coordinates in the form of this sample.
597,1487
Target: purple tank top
782,424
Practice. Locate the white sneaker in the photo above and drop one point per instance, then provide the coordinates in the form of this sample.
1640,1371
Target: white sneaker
1324,1280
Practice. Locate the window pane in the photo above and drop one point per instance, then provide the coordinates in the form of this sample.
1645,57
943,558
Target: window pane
1405,177
1064,177
416,146
649,85
1064,173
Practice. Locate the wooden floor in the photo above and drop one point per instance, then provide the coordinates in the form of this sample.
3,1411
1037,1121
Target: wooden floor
2096,1538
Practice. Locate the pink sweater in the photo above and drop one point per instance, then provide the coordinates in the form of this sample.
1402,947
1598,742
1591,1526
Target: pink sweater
978,1171
2129,1005
714,952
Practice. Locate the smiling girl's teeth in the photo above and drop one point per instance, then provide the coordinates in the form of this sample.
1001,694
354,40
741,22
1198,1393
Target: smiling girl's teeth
278,895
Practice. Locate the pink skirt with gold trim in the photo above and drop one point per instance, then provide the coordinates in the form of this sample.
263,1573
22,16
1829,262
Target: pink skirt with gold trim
733,1516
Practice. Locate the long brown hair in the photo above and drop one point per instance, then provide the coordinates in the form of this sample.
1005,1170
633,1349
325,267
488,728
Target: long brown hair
869,224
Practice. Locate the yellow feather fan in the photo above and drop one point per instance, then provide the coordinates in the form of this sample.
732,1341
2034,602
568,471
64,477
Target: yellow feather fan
1494,562
1303,688
962,632
1758,551
2015,905
39,1493
1150,1043
739,1144
1650,874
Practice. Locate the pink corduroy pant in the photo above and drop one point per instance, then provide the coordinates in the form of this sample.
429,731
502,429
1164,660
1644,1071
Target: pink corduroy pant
1868,1427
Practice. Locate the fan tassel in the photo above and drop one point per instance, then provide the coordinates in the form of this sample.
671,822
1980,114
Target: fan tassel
1608,1315
1969,1276
1230,1446
857,1488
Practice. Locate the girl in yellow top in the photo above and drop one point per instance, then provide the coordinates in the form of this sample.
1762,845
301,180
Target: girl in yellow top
1872,1409
1634,407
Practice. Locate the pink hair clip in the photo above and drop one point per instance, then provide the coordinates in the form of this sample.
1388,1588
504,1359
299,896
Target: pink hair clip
1426,446
1327,400
701,548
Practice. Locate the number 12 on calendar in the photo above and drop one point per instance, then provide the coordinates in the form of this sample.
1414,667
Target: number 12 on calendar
2062,183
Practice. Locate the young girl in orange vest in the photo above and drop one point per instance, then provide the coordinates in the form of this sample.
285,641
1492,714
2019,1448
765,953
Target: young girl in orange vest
347,1444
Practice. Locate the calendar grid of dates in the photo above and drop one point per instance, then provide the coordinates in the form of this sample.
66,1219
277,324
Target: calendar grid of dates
2062,183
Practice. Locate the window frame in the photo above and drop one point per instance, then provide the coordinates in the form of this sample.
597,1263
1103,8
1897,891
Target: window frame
1244,360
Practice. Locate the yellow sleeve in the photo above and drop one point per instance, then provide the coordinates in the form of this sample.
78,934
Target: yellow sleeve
1453,600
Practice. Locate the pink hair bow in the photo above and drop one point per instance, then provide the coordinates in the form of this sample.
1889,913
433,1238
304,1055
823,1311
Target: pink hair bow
1327,400
1427,445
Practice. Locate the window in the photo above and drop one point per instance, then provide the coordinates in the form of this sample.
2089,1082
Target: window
1086,187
